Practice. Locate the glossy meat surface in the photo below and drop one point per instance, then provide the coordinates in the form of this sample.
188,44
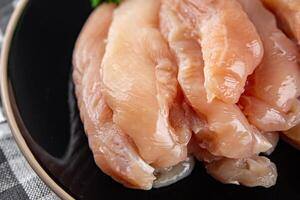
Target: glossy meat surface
231,46
288,15
266,117
251,172
277,79
140,86
161,81
113,150
229,133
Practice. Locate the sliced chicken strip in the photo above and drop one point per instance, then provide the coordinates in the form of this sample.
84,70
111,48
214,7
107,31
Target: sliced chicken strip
200,153
288,15
229,133
140,86
114,152
266,117
251,172
231,46
277,79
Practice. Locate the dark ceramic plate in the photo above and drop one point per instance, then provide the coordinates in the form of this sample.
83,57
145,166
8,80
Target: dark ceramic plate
40,104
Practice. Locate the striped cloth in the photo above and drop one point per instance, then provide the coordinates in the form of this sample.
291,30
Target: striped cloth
17,180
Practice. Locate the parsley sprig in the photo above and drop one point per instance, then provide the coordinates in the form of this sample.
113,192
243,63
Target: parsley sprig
95,3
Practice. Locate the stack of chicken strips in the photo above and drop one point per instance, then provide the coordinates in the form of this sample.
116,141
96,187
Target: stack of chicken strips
159,82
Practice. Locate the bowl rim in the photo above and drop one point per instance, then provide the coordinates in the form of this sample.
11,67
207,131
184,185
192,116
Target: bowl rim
7,104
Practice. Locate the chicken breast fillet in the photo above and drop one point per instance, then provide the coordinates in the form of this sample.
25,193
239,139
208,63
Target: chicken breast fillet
270,100
266,118
251,172
231,46
140,86
277,79
228,134
288,15
113,150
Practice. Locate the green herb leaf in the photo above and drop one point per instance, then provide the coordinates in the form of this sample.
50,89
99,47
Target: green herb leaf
95,3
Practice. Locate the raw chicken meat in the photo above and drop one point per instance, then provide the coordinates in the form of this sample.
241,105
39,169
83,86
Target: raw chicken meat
228,133
266,118
288,15
230,45
277,79
273,138
200,153
254,171
140,86
113,150
161,81
251,172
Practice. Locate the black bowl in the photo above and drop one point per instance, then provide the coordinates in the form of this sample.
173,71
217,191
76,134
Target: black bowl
38,97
